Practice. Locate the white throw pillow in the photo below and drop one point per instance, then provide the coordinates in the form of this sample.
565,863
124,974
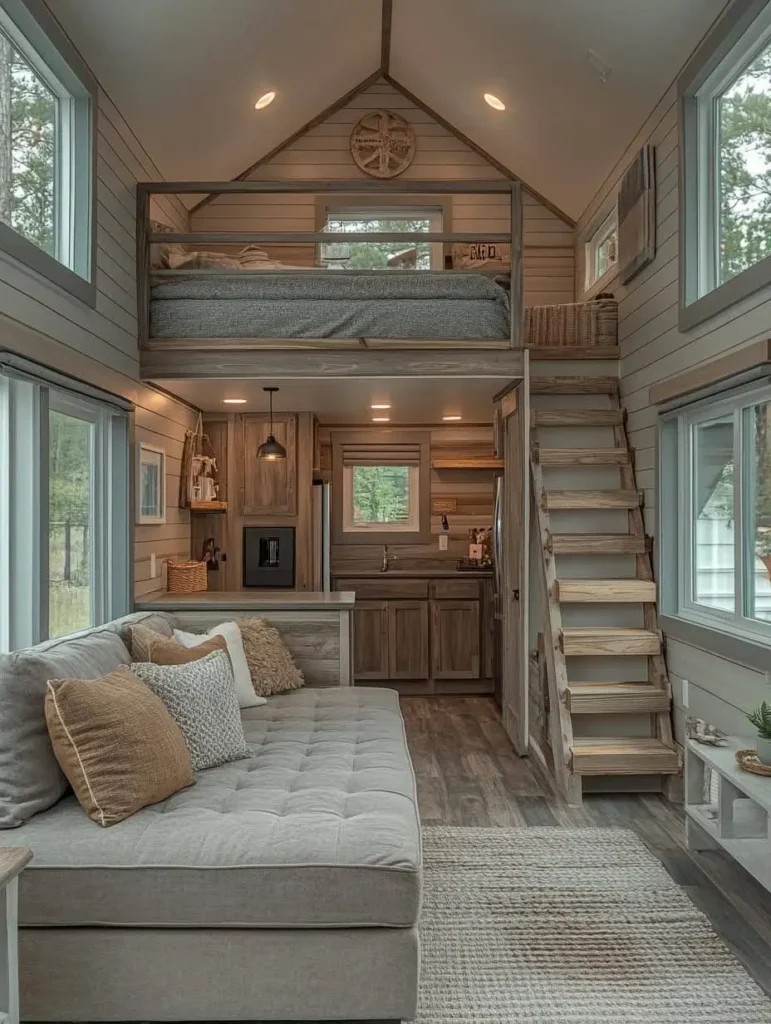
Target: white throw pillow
247,698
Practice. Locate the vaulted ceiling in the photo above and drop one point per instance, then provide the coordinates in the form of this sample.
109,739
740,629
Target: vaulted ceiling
186,73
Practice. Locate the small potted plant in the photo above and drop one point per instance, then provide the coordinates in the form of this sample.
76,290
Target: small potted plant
761,719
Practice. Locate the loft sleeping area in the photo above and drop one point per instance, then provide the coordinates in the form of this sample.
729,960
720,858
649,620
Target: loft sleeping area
379,263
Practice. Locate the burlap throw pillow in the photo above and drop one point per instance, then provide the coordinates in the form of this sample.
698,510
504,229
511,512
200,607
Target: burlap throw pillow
117,744
270,662
147,645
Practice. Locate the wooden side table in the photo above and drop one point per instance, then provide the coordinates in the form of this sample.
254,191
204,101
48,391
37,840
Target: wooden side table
12,863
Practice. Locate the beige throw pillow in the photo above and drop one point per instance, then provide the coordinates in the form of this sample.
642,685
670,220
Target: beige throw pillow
117,744
147,645
271,665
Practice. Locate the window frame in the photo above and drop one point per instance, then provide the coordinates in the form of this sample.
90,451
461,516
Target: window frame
37,35
25,403
742,33
682,614
381,534
596,234
437,206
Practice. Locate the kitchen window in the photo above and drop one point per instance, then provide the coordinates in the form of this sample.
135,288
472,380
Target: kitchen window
725,95
381,487
47,101
601,251
715,492
64,510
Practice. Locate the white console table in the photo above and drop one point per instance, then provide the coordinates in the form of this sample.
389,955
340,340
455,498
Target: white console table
739,820
12,863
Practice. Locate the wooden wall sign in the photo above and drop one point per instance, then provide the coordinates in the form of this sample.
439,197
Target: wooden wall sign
444,506
383,144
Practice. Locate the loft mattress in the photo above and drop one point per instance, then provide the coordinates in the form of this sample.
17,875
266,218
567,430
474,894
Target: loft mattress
331,304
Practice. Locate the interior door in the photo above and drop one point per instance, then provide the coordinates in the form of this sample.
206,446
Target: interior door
514,574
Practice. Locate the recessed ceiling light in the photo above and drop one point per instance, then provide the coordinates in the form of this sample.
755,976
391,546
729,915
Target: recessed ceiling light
264,100
452,419
381,419
380,405
494,102
234,401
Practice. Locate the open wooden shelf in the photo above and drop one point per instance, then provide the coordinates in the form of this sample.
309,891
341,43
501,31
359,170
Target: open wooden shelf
475,463
209,507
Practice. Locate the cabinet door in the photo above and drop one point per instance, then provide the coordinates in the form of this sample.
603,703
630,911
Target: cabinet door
370,640
267,488
455,639
408,640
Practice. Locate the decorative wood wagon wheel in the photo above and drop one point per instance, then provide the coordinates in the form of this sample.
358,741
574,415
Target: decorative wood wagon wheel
383,144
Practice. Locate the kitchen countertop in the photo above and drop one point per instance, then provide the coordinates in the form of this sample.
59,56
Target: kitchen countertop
270,600
415,574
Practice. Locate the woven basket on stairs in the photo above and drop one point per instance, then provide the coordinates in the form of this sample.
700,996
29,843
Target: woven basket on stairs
187,577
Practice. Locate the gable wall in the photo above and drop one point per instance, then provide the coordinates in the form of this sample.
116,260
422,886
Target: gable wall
100,346
323,155
653,350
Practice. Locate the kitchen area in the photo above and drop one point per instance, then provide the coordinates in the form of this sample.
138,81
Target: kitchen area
389,490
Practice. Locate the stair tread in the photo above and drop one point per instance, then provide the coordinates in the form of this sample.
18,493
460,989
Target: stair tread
593,499
590,698
598,544
623,755
615,641
574,385
577,417
614,631
582,456
606,590
541,353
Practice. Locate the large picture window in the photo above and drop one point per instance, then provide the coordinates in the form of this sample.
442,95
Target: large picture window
715,493
46,148
64,511
726,186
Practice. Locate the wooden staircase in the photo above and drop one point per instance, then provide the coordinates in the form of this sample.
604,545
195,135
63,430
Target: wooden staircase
608,689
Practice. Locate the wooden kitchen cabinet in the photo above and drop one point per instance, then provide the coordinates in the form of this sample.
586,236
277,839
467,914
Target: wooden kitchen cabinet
455,639
370,640
408,640
267,488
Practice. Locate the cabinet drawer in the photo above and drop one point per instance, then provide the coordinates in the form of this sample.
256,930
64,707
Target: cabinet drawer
462,590
385,590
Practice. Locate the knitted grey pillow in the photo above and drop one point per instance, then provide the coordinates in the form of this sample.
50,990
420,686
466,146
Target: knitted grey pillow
201,698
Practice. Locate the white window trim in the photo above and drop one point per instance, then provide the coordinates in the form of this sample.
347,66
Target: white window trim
674,487
411,525
597,231
738,37
38,35
25,401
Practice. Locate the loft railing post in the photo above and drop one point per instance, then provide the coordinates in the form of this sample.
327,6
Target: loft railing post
143,263
517,292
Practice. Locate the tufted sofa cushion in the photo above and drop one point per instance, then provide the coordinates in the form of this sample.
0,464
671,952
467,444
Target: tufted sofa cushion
319,827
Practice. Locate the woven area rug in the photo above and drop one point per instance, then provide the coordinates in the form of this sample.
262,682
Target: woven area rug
568,926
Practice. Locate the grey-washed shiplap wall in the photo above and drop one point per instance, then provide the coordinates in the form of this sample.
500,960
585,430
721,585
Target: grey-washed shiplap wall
653,350
99,346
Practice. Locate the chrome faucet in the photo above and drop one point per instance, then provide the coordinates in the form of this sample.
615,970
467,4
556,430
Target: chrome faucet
384,563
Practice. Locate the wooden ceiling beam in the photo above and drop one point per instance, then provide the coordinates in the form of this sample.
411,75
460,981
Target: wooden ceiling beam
385,36
505,171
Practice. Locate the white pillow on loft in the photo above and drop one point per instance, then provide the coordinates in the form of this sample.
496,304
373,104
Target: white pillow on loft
247,698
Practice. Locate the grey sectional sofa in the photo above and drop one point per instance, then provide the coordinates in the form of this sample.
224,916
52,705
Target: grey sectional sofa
282,887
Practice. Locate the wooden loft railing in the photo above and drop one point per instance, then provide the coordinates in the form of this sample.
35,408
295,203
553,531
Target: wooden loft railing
146,238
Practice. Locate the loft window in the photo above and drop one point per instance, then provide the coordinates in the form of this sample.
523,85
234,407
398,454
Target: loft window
726,145
384,255
46,149
715,465
601,250
64,511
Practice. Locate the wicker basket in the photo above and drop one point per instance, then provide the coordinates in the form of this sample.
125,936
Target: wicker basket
581,324
187,577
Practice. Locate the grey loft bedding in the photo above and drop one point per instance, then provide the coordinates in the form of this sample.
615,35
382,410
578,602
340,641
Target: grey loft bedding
330,305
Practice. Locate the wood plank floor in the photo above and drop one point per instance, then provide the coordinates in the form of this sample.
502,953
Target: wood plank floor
468,774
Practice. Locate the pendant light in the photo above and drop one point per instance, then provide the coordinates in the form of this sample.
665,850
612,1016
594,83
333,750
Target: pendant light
270,449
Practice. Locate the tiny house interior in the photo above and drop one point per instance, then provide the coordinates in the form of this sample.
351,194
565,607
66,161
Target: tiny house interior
435,338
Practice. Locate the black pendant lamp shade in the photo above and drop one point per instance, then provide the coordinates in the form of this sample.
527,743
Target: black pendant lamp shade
270,449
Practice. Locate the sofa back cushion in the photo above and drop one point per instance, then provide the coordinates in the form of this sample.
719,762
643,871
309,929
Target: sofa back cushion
30,777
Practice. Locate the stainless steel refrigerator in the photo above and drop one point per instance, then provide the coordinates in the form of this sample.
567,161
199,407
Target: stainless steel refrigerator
322,545
498,591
